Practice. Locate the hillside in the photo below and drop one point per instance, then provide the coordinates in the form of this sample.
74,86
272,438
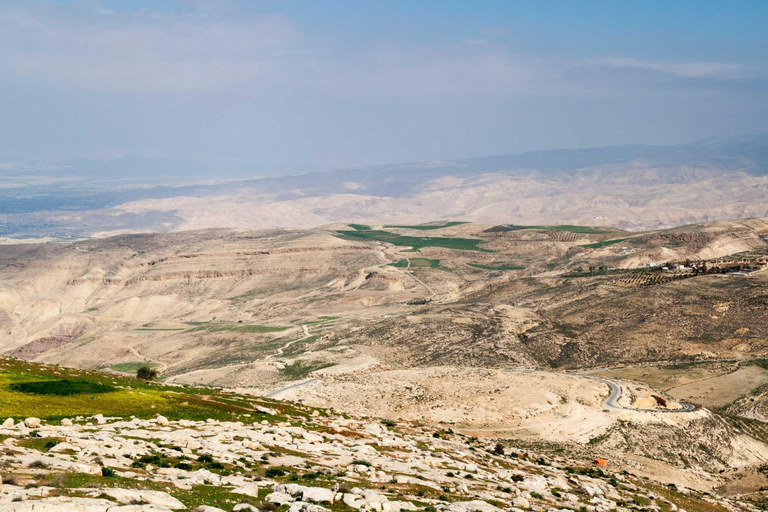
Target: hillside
233,452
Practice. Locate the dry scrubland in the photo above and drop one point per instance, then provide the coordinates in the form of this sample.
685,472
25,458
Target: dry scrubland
419,323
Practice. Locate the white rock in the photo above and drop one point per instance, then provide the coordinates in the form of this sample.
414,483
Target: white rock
521,502
158,498
312,437
8,423
300,506
208,508
162,420
99,419
244,506
279,498
66,422
32,422
397,506
318,495
248,489
472,506
63,447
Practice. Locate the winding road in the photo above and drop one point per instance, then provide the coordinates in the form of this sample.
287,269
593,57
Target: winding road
611,403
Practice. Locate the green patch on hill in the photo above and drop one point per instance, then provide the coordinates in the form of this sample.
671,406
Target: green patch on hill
417,263
62,387
51,393
495,266
375,235
427,227
130,368
240,328
300,369
360,227
604,243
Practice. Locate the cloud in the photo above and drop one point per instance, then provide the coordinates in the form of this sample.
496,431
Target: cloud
142,51
683,69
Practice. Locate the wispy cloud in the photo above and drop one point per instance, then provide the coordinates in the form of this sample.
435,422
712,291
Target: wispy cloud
683,69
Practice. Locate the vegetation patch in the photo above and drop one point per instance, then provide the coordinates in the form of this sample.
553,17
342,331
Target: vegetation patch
131,367
495,266
562,227
240,328
62,387
300,369
360,227
462,244
417,263
604,243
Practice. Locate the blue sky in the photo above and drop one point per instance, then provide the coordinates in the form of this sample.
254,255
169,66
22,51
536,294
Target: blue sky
298,85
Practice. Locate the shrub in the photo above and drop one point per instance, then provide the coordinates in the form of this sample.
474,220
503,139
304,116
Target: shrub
273,472
50,444
205,459
146,373
362,463
498,449
107,472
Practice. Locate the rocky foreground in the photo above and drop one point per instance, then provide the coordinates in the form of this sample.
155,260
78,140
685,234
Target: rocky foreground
297,464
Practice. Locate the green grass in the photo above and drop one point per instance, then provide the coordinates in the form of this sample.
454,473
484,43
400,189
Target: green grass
51,393
62,387
130,368
301,369
360,227
321,320
240,328
562,227
604,243
157,329
374,235
495,267
428,227
417,263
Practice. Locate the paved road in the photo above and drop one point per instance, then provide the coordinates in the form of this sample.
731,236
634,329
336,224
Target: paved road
611,403
292,386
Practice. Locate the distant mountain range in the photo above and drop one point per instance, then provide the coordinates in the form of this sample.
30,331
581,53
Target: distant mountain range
634,187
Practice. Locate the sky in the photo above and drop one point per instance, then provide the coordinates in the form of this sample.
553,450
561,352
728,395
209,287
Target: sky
293,85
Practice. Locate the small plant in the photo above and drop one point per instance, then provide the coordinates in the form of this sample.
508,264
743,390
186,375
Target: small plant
205,459
146,373
498,449
50,444
107,472
536,495
274,472
38,464
362,463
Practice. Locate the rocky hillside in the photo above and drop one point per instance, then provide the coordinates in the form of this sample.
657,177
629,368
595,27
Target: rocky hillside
253,454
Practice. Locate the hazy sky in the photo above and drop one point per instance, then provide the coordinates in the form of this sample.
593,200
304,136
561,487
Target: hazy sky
321,83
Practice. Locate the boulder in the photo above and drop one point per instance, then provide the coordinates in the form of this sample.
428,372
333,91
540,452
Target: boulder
66,422
8,423
99,419
521,502
318,495
156,498
32,422
279,498
397,506
301,506
208,508
162,420
248,489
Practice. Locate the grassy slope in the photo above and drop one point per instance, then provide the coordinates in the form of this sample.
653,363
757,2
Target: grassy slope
463,244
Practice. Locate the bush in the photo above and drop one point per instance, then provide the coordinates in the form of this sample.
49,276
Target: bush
146,373
273,472
107,472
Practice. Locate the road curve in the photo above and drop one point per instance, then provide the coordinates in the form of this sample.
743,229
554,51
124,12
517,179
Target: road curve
611,403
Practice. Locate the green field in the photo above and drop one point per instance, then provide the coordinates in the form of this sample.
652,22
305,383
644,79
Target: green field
417,263
604,243
374,235
51,393
360,227
321,320
131,368
563,227
428,227
240,328
495,267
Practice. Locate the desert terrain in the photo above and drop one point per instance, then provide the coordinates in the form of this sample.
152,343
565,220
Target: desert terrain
639,347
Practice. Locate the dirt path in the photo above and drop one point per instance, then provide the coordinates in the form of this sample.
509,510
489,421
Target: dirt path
281,350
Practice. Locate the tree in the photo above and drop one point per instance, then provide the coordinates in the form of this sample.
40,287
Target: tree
146,373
